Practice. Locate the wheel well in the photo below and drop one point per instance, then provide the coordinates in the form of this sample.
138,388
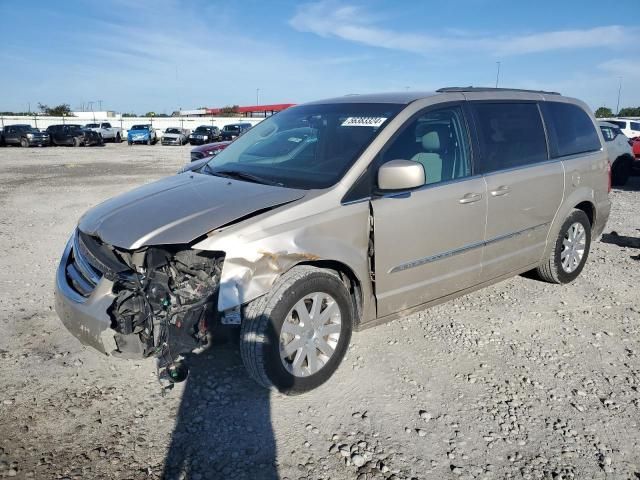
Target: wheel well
348,278
588,209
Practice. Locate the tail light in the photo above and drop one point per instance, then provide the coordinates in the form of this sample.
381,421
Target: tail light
608,176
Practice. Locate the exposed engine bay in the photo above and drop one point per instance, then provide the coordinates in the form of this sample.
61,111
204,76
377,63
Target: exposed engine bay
164,299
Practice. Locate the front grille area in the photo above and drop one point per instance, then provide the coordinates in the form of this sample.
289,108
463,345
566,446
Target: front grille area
81,274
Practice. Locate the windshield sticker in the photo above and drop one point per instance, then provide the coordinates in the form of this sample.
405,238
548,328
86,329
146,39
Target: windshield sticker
363,121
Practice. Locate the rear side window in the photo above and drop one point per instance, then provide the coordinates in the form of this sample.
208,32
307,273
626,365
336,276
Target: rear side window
635,126
618,123
571,130
510,134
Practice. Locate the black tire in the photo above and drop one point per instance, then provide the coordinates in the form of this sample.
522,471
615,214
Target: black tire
130,143
149,141
262,323
118,139
24,143
621,170
551,270
76,142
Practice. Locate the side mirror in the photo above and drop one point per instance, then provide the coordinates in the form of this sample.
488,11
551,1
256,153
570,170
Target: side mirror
401,175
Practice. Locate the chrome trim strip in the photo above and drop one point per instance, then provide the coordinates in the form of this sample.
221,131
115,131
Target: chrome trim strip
456,251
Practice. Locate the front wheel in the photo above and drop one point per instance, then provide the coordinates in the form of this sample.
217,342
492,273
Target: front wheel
117,139
76,142
24,143
293,338
570,252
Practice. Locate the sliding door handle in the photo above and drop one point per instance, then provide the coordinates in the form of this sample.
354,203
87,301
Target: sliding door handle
470,198
502,190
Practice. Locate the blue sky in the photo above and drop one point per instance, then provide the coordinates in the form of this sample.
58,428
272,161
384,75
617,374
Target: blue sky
159,55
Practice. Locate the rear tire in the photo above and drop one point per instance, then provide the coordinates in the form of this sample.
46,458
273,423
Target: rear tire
262,329
561,267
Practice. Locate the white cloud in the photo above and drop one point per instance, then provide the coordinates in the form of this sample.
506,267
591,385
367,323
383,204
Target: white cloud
355,24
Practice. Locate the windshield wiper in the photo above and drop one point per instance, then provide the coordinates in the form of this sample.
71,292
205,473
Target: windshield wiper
242,176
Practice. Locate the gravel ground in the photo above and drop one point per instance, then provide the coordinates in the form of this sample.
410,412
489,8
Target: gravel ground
520,380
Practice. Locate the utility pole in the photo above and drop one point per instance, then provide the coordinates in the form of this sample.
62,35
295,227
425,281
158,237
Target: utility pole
619,90
99,105
498,74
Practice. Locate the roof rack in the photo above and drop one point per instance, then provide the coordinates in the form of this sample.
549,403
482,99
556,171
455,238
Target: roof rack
489,89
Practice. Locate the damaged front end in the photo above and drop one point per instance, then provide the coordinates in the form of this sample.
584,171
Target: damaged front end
155,301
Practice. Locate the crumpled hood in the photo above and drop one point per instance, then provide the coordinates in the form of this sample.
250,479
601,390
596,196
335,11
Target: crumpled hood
179,209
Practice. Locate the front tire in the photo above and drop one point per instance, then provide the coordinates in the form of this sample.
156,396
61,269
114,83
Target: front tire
76,142
24,143
293,338
570,251
118,139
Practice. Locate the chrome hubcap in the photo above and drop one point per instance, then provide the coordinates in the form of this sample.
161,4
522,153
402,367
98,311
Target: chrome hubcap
573,246
310,334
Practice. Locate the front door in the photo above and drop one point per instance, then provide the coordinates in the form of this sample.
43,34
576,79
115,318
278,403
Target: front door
429,241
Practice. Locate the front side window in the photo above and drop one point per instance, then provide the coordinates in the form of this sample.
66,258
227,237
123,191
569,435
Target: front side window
635,126
571,130
436,139
307,147
510,135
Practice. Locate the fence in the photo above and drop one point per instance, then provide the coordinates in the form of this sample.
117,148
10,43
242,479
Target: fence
159,123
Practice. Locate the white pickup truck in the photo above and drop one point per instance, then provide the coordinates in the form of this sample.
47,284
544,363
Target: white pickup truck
106,130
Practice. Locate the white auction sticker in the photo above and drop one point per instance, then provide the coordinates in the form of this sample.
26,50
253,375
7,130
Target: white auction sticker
363,121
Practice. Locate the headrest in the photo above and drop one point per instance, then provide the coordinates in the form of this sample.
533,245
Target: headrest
431,141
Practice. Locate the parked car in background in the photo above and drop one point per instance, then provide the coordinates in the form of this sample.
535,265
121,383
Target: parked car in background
204,134
619,151
234,130
336,216
142,134
23,136
175,136
106,131
208,150
631,128
73,135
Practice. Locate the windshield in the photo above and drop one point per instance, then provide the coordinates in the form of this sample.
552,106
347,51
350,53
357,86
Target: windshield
172,130
201,130
92,125
229,128
140,127
310,146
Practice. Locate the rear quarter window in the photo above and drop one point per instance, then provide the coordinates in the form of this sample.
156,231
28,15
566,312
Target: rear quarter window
510,135
570,128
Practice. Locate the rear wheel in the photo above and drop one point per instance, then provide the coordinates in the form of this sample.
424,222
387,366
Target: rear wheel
293,338
570,252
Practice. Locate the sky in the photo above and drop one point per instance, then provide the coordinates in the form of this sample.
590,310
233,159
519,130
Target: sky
163,55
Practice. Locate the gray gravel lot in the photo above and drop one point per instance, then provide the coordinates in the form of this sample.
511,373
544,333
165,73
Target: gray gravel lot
521,380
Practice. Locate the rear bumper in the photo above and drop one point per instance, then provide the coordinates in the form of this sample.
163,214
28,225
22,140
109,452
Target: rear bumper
603,209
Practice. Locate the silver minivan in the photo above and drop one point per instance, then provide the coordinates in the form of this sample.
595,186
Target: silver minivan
335,216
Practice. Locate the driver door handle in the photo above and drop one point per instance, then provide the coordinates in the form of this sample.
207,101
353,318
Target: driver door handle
470,198
502,190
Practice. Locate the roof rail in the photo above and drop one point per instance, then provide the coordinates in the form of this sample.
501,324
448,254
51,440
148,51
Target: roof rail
489,89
